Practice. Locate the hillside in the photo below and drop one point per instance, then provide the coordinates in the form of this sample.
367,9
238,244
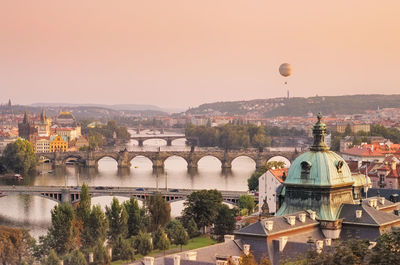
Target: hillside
350,104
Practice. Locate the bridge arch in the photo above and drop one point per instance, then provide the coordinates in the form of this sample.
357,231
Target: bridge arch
280,158
71,156
134,160
198,161
176,156
165,142
236,158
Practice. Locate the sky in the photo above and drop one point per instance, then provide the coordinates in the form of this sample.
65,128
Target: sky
182,53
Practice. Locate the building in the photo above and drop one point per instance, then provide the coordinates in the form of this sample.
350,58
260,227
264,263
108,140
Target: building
58,143
41,145
319,206
376,151
268,184
384,174
26,129
43,127
66,119
354,126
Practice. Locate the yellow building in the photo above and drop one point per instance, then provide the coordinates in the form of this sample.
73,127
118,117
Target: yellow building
42,145
58,144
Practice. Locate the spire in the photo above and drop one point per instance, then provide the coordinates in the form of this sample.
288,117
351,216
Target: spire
319,132
43,116
26,117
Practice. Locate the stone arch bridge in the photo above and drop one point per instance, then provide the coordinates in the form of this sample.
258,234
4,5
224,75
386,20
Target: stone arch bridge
167,138
123,158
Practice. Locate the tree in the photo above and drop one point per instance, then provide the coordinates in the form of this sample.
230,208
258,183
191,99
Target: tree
160,240
19,157
96,228
347,130
61,231
202,206
387,249
52,259
100,255
177,233
75,258
192,228
117,219
224,222
137,219
82,212
247,259
247,202
159,211
16,246
122,249
143,244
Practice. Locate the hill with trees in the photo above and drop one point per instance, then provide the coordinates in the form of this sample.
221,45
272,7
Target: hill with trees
349,104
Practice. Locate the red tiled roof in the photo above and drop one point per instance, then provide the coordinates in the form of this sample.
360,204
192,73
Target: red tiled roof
278,173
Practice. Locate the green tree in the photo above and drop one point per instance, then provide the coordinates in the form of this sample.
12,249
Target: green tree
192,228
387,249
247,202
137,219
202,206
347,130
160,240
61,232
224,222
82,212
143,243
95,228
252,182
117,219
159,211
52,259
122,249
100,255
177,233
75,258
19,157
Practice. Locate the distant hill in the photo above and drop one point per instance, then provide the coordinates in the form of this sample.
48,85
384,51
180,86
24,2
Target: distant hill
123,107
350,104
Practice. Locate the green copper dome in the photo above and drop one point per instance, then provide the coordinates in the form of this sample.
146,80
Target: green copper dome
319,169
318,180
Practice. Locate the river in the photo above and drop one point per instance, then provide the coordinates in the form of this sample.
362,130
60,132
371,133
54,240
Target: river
33,212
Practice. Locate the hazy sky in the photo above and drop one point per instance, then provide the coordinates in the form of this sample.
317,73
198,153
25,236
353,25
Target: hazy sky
184,53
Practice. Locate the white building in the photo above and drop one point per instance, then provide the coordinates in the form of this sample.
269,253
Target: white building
267,185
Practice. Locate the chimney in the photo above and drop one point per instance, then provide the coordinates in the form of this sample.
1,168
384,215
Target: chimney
319,244
269,225
312,215
393,165
328,241
358,214
302,217
372,203
282,243
291,219
246,249
191,255
177,260
235,260
382,200
228,238
148,260
91,257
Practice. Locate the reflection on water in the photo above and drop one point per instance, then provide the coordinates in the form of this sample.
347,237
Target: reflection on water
34,212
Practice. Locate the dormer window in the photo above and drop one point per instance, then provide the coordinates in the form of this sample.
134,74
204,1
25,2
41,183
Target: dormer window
305,169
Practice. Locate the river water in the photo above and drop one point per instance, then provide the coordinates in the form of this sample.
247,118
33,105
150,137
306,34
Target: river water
33,212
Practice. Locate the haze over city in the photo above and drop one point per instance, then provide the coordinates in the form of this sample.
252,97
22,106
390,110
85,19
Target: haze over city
185,53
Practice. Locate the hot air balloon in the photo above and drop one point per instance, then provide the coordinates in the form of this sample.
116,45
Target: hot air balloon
285,69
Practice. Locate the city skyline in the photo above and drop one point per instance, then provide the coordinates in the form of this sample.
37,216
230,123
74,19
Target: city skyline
182,54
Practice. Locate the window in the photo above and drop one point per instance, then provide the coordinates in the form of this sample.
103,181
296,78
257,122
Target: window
305,169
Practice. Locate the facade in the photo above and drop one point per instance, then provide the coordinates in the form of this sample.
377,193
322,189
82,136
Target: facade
58,144
42,145
268,184
355,127
43,127
321,203
384,174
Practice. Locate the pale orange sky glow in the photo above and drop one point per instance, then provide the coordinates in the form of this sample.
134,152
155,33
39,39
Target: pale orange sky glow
184,53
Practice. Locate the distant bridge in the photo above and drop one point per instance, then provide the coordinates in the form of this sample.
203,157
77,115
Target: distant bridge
72,193
123,158
167,138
